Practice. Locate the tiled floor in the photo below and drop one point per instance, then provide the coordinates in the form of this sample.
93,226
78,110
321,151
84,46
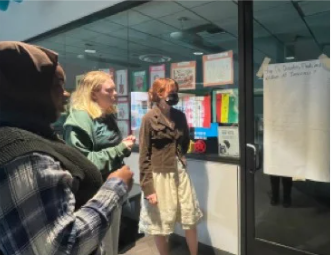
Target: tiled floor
146,246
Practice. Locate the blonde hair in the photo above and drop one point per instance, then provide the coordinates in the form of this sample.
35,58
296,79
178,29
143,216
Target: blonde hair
160,86
81,99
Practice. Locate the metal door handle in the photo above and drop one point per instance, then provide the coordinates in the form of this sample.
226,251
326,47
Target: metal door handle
256,159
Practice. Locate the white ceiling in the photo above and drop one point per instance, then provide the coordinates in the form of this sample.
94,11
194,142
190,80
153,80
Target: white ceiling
146,29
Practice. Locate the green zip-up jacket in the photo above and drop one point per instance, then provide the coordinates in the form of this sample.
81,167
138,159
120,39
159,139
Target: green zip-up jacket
100,140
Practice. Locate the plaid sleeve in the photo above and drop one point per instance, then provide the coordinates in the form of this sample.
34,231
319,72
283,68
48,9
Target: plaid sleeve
37,209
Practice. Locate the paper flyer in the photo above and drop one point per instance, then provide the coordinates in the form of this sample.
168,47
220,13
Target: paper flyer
218,69
139,80
122,82
139,107
185,74
228,140
156,72
123,108
124,127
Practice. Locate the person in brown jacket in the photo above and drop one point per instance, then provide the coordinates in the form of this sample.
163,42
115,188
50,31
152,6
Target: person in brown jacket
169,196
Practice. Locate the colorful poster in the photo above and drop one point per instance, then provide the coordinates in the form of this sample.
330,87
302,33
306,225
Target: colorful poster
123,108
197,110
78,79
124,127
218,69
228,141
225,106
122,82
156,72
139,80
205,133
185,74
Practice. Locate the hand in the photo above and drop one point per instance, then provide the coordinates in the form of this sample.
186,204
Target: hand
129,141
152,199
125,175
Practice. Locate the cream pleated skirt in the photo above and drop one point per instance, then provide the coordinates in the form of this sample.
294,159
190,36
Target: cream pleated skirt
177,203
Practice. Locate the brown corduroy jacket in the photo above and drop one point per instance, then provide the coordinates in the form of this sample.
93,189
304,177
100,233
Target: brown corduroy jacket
160,143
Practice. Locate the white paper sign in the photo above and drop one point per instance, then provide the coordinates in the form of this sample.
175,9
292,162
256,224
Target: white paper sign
297,120
228,141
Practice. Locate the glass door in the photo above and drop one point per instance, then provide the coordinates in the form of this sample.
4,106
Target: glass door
285,132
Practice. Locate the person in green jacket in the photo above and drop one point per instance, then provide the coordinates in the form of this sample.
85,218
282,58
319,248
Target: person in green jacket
91,127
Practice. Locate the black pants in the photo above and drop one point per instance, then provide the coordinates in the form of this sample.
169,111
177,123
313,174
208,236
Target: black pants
287,187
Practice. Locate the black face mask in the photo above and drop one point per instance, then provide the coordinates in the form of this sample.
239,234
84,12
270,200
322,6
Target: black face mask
172,99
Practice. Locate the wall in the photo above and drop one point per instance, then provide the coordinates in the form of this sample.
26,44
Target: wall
31,18
217,188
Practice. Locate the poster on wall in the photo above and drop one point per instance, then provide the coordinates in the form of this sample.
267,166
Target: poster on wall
296,108
185,74
124,127
226,106
204,140
122,82
218,69
156,72
139,80
123,108
78,79
139,107
228,141
197,109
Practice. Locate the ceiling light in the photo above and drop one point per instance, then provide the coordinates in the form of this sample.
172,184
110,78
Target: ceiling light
80,56
90,51
198,53
290,57
154,58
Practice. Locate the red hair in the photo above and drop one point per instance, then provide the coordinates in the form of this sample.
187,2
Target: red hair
160,86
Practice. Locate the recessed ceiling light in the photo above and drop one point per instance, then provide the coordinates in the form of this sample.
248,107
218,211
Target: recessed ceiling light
290,57
198,53
80,56
90,51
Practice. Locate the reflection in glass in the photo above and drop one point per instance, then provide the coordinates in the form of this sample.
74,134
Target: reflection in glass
290,211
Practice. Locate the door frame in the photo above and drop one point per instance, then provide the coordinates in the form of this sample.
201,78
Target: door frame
249,244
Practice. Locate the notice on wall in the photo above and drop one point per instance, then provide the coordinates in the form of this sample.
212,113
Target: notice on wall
124,127
139,107
78,79
139,80
156,72
123,108
122,82
226,106
197,109
218,69
297,120
228,141
185,74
